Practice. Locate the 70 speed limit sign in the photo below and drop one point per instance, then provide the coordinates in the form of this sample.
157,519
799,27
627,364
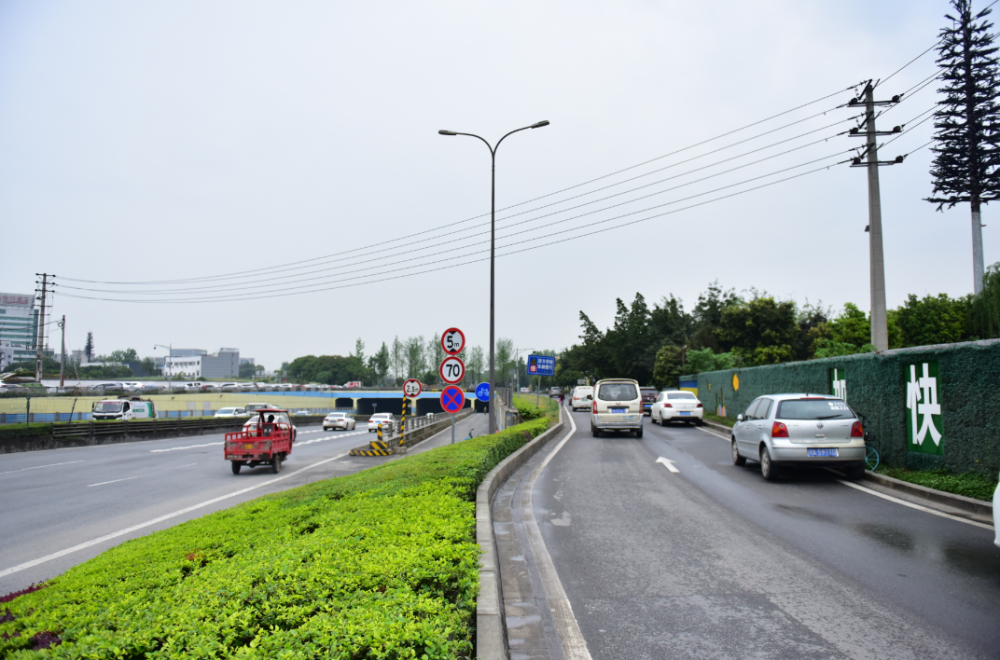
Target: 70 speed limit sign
452,370
453,341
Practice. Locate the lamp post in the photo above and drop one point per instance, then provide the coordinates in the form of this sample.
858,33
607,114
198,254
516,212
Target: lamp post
493,198
170,354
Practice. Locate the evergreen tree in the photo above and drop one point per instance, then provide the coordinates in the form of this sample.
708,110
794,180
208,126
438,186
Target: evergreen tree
88,348
967,141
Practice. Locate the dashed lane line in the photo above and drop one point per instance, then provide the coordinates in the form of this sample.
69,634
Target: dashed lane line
105,483
39,467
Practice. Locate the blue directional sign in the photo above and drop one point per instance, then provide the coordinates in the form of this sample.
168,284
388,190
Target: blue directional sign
541,365
483,392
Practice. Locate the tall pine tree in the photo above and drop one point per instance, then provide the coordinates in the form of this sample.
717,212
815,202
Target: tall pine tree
967,139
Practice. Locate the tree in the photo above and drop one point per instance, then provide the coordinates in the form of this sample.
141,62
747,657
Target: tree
667,370
379,364
416,363
984,310
359,350
398,357
967,140
707,315
932,320
761,331
123,357
669,323
503,356
628,341
88,348
476,363
247,370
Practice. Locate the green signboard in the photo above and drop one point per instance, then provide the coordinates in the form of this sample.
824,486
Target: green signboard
924,424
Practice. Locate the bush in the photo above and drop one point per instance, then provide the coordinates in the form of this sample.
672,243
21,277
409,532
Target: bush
379,564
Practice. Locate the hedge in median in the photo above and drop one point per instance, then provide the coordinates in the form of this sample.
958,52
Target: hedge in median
380,564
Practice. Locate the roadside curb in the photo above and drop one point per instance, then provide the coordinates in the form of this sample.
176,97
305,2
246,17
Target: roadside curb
491,631
960,502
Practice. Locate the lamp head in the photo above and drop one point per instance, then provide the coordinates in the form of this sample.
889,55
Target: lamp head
444,132
544,122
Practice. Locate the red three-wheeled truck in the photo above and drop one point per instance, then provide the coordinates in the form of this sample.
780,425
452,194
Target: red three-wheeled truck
266,440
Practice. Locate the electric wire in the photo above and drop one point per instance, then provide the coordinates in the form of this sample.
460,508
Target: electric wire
450,226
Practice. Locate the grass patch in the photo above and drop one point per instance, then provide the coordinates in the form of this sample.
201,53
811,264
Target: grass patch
380,564
25,430
725,421
525,404
976,486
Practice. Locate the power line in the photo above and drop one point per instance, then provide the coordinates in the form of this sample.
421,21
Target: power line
450,226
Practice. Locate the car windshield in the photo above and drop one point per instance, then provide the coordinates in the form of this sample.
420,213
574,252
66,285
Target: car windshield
618,392
681,395
108,406
226,411
814,409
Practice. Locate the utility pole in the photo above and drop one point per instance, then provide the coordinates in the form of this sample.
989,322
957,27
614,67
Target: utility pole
879,319
62,358
40,348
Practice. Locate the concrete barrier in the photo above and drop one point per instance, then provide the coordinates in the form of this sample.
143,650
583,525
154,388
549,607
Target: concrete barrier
491,626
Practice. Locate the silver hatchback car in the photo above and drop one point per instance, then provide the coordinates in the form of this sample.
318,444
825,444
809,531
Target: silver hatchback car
799,430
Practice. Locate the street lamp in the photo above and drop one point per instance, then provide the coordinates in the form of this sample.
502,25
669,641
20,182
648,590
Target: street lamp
493,199
170,348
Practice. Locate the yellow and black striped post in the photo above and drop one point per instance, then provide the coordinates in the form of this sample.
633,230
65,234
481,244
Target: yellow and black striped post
380,431
402,423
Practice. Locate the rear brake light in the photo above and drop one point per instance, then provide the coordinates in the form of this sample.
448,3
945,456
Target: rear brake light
779,430
594,408
699,406
667,405
857,431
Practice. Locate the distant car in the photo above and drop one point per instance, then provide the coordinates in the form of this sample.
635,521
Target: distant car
302,412
251,407
232,412
555,391
230,387
649,395
108,387
525,389
677,405
132,386
208,387
582,397
617,407
153,387
248,387
192,387
339,420
381,418
799,430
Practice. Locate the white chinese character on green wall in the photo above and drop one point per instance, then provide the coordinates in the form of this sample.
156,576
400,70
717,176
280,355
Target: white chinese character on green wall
924,426
838,383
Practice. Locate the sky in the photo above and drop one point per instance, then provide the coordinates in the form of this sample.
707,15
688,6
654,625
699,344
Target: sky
271,177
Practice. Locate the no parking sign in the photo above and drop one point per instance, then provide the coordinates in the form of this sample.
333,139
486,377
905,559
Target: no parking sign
452,399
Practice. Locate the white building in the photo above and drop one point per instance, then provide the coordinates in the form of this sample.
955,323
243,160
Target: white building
18,327
224,364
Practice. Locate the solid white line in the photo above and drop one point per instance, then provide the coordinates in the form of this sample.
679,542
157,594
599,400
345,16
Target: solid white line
186,465
209,444
713,433
105,483
574,645
918,507
38,467
181,512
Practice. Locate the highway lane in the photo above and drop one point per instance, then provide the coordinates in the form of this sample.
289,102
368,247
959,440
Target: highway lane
57,499
713,562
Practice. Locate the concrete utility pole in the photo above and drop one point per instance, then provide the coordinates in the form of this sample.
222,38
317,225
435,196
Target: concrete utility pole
879,317
40,348
62,355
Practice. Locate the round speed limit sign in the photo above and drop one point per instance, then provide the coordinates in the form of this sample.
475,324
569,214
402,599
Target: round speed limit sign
452,370
412,388
453,341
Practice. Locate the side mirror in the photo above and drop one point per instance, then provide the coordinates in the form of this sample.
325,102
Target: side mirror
739,418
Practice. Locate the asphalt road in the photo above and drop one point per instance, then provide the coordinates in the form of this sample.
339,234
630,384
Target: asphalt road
714,562
58,500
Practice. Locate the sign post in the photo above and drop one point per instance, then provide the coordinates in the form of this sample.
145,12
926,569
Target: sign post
411,390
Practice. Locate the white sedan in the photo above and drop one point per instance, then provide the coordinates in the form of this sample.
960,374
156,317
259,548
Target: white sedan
232,412
385,419
339,420
676,405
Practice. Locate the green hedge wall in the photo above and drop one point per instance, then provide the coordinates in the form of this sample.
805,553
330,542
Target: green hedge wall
382,564
877,385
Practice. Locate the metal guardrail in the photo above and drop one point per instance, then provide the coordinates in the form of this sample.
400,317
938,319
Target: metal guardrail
92,429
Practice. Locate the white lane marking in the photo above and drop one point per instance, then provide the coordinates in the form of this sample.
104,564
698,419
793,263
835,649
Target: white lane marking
105,483
668,463
918,507
187,465
39,467
208,444
713,433
574,645
181,512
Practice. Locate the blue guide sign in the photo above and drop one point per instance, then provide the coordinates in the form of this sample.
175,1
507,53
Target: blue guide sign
541,365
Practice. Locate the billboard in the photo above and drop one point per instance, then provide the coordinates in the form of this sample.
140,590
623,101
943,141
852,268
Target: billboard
26,300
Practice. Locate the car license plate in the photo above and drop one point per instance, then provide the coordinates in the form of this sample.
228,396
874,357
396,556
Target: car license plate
685,413
830,453
248,446
619,411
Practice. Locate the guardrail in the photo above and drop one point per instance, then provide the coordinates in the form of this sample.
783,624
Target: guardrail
136,426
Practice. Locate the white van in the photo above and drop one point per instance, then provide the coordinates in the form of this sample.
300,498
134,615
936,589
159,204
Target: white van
124,408
582,397
192,387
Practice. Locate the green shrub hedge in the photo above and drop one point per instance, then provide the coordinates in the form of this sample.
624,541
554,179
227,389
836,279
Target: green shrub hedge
380,564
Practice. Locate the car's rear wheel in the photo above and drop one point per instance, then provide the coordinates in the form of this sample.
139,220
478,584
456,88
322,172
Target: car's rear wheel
594,431
768,469
737,458
276,464
236,465
638,432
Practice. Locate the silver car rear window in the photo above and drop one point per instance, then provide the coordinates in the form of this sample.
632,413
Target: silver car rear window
814,409
618,392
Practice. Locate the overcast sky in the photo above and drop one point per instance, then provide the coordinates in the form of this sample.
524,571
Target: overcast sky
144,142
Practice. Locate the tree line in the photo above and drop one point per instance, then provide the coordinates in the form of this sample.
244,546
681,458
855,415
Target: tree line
656,345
